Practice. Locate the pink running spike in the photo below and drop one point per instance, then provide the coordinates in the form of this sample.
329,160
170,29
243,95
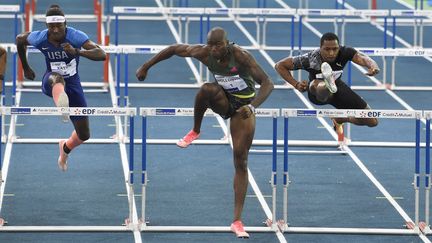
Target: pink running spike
62,159
187,139
238,229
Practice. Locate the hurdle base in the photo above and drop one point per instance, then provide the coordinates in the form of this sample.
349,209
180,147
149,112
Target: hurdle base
128,223
269,223
121,139
64,229
282,225
411,225
284,228
142,224
222,229
424,228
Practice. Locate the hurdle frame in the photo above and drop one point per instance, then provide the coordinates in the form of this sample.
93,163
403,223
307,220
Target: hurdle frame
340,113
75,111
146,112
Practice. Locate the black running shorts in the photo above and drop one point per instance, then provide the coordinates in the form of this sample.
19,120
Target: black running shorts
344,98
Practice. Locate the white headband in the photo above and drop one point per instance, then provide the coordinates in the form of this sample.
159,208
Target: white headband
55,19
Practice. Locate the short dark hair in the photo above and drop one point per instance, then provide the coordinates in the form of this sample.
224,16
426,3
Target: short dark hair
329,36
53,10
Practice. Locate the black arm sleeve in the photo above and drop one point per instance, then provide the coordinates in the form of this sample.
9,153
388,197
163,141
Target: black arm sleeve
348,53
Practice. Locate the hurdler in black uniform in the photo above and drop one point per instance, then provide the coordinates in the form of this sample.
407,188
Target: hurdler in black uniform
319,93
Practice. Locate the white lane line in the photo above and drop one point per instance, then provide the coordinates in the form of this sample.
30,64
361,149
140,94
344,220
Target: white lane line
123,153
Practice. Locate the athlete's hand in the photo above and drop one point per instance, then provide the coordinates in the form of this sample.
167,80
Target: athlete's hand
245,112
29,73
372,71
301,86
69,49
141,73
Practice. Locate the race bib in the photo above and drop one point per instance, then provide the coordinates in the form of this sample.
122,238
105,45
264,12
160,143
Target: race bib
63,68
231,83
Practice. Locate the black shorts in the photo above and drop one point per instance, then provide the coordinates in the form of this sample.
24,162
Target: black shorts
234,104
344,98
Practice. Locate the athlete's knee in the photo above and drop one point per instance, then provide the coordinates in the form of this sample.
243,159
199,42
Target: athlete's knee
209,89
313,86
84,135
240,161
373,122
55,78
320,91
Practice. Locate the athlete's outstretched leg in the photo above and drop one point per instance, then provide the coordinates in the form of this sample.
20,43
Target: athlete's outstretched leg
211,96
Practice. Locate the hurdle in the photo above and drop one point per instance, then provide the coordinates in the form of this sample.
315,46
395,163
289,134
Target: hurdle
413,226
394,53
176,111
420,17
173,13
73,111
15,10
264,16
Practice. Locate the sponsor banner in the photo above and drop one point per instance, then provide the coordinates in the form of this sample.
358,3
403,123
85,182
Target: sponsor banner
9,8
184,112
387,114
20,110
267,112
49,110
340,113
165,112
73,111
332,113
304,113
171,112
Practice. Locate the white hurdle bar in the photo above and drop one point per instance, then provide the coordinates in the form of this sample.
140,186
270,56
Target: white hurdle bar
154,49
263,15
336,113
77,111
71,111
164,112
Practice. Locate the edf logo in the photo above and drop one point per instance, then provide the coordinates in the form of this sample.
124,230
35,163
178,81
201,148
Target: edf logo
419,53
88,111
374,114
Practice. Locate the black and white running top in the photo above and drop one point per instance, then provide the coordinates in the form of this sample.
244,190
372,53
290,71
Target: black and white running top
311,62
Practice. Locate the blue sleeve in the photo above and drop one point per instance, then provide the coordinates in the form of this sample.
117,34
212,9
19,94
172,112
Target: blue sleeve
36,37
77,37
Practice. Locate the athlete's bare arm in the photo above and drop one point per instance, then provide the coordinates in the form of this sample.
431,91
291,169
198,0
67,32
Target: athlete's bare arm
182,50
284,68
91,51
248,62
22,43
3,57
365,61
